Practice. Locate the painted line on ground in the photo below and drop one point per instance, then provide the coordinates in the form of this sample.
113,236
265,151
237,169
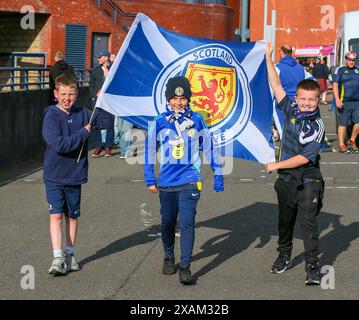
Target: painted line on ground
340,162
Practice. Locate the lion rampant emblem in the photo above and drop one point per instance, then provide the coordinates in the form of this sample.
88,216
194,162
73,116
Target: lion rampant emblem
213,91
211,96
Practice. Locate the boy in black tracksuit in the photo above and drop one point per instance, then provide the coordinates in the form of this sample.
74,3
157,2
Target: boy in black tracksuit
299,183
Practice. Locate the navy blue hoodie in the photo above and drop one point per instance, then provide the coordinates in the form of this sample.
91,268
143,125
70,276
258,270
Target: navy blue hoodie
64,135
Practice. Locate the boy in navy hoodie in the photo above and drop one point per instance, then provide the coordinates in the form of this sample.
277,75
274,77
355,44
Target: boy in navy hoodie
181,133
66,130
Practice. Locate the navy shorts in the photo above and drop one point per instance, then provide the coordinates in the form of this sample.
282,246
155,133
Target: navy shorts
349,113
64,199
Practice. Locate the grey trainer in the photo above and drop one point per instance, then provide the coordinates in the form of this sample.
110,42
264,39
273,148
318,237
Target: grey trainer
70,262
169,266
58,267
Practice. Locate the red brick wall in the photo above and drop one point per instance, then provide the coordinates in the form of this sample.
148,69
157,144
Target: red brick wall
300,23
53,34
16,5
83,12
209,21
235,5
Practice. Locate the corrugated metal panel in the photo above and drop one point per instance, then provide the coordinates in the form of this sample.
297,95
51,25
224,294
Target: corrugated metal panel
76,41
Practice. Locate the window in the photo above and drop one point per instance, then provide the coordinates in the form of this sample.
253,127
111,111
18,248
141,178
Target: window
76,40
354,45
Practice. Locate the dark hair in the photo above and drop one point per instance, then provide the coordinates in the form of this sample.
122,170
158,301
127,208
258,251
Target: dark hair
286,50
308,85
65,79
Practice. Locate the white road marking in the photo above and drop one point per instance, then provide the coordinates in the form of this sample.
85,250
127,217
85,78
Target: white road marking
342,187
340,162
147,217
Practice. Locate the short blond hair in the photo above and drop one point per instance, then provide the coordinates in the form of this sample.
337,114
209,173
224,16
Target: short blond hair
59,56
66,79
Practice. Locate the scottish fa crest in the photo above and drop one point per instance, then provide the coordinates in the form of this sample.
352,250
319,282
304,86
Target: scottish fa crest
220,90
213,91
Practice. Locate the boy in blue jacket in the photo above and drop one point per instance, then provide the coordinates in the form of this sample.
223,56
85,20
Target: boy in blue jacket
180,133
65,130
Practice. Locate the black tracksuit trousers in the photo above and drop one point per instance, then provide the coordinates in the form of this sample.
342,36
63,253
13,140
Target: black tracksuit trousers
306,204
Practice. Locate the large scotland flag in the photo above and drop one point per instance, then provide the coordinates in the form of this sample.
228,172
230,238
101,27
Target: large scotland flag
228,80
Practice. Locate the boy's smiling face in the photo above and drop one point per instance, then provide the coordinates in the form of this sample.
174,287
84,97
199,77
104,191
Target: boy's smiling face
177,104
66,95
307,100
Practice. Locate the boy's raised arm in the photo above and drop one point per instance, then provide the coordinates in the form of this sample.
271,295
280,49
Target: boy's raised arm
273,77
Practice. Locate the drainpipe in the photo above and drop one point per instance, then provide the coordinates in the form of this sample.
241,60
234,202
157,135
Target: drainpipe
244,21
274,27
265,19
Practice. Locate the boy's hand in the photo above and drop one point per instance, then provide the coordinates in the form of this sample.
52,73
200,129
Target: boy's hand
339,104
153,189
273,77
88,128
269,50
271,166
218,183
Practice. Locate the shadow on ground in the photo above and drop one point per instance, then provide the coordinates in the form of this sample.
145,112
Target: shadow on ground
244,227
11,173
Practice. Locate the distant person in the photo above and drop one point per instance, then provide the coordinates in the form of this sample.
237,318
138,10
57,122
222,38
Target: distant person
346,95
107,119
310,66
60,67
66,130
112,58
123,135
299,184
321,74
290,71
179,133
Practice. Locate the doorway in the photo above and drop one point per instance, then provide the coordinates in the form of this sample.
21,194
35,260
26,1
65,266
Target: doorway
100,42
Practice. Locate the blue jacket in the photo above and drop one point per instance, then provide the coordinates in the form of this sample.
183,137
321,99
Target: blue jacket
291,73
64,135
180,164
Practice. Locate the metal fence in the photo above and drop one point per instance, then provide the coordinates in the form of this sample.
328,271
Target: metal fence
33,78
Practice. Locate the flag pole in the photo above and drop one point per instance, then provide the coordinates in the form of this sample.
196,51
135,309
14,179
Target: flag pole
78,158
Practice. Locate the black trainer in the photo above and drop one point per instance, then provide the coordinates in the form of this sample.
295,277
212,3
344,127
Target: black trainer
169,266
313,274
185,276
282,263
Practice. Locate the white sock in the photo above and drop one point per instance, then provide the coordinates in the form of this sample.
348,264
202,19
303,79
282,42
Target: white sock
70,250
57,253
323,97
